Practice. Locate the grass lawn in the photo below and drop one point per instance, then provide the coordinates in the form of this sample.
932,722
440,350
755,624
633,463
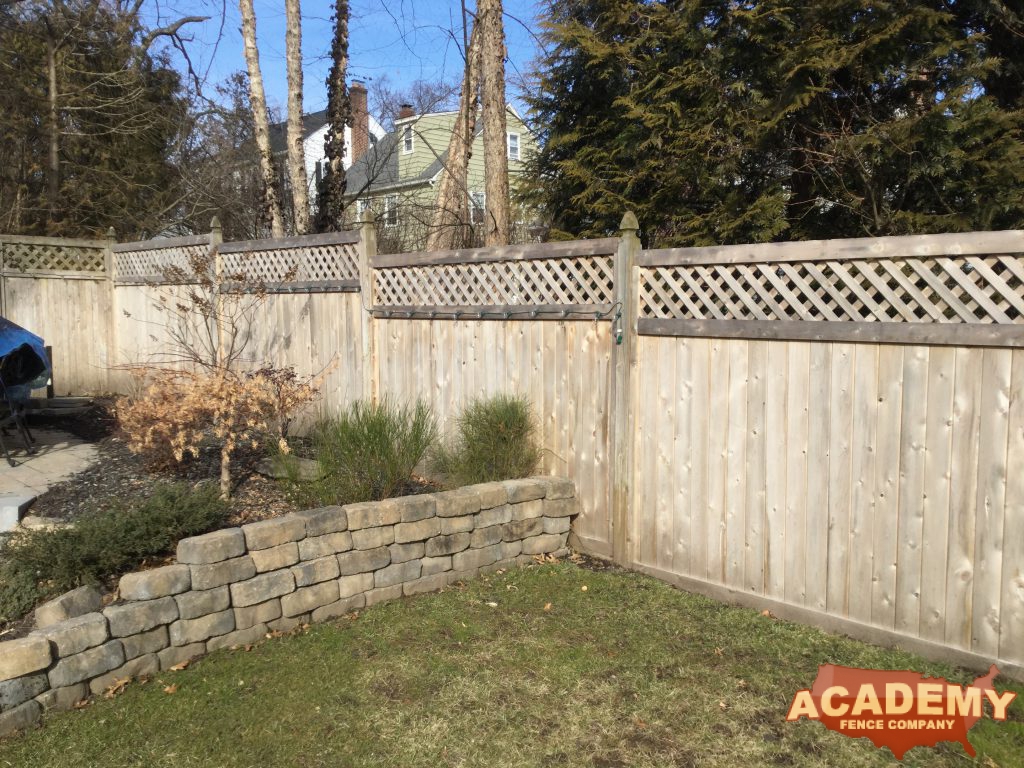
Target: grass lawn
630,672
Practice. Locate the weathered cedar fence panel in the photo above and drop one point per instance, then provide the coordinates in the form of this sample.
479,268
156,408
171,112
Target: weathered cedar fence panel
533,320
835,431
60,289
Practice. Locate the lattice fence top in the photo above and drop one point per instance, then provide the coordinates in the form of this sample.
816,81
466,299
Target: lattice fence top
42,255
956,287
554,282
556,275
272,261
156,260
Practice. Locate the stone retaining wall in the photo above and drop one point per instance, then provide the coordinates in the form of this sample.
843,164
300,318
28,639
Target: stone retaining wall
232,586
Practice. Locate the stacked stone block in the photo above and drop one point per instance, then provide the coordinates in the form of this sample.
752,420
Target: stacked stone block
233,586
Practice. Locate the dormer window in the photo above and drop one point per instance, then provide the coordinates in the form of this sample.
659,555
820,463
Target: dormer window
407,139
513,146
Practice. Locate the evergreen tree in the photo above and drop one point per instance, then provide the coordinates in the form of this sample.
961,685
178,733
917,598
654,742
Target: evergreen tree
90,120
721,122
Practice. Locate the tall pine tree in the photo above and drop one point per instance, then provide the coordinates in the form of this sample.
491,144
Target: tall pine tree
721,122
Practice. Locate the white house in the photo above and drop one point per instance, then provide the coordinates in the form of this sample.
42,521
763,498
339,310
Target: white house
364,133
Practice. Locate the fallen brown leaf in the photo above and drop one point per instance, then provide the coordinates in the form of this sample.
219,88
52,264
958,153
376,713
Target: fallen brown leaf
181,665
172,688
547,606
116,687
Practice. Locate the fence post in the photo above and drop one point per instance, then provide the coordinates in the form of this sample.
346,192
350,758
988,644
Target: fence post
626,276
216,238
367,250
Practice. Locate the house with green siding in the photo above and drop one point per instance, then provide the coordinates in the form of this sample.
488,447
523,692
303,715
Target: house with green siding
399,176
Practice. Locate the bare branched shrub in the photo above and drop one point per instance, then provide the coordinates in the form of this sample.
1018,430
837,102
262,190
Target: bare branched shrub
179,412
200,389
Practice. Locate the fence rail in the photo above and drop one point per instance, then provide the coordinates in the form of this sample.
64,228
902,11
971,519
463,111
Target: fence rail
832,430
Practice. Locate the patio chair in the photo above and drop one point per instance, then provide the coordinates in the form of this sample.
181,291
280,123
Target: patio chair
12,415
24,365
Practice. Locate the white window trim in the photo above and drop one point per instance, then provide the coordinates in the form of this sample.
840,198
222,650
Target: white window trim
408,140
475,207
391,211
508,145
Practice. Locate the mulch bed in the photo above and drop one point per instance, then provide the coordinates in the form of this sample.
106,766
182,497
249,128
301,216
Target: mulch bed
119,474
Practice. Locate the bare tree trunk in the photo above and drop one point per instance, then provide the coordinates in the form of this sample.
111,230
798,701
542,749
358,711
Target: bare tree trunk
296,154
331,198
261,122
492,52
53,162
225,472
451,214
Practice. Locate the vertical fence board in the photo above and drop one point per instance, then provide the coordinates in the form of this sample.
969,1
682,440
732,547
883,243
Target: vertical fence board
718,417
696,445
963,487
775,470
935,507
991,501
798,382
680,460
862,448
736,447
910,514
754,512
1011,613
662,471
885,504
840,479
818,470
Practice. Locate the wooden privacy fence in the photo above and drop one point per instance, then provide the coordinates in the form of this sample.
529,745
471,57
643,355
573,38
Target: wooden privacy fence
832,430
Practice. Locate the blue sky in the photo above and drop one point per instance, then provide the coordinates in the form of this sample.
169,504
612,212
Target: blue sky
405,40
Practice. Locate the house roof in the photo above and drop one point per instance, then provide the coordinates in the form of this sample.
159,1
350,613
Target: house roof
378,168
311,123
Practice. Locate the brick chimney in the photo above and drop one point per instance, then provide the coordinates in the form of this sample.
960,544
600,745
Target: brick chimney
405,110
360,119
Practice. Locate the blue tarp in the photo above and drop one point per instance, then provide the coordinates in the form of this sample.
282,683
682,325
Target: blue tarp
23,362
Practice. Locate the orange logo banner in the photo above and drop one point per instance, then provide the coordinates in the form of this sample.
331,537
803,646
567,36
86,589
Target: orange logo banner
898,710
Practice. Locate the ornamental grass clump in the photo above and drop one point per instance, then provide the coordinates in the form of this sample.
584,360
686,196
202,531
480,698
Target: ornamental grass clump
367,453
38,564
496,439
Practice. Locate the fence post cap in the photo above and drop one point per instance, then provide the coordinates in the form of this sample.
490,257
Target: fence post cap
367,217
214,223
629,222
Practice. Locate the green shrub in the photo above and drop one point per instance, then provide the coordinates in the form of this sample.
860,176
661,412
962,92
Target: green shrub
368,453
36,565
496,439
